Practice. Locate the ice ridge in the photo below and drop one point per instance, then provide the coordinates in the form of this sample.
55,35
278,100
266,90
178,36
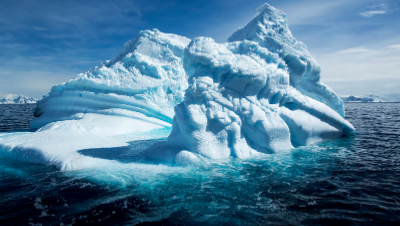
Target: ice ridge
269,29
146,77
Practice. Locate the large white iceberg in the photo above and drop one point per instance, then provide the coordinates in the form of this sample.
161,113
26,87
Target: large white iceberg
259,93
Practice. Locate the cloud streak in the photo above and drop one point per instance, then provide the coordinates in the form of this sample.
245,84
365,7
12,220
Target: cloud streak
362,70
373,13
380,9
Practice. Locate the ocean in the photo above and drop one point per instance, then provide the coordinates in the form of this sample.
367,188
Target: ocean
354,180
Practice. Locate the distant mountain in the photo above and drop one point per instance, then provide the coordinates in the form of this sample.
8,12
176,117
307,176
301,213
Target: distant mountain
16,99
366,98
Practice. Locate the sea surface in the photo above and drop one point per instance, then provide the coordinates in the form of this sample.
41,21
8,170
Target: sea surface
354,180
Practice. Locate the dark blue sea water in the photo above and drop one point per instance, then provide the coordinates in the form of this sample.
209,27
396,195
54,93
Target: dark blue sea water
353,180
14,117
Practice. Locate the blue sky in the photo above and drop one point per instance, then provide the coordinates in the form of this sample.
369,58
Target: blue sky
46,42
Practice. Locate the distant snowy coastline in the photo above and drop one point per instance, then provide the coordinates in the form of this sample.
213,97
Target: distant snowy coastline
16,99
371,98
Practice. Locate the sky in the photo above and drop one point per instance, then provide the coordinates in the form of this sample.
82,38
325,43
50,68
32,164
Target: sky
47,42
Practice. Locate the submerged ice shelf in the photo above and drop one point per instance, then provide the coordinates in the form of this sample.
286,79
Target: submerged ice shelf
258,93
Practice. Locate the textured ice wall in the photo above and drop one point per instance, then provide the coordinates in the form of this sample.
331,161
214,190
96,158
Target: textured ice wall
269,29
146,79
247,97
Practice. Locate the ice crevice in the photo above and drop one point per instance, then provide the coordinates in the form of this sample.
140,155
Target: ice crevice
259,93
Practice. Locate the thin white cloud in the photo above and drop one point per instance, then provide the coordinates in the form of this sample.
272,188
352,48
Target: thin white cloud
373,13
395,46
353,50
317,11
362,69
380,9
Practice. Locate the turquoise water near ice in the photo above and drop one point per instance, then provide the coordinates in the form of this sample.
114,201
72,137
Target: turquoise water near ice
354,180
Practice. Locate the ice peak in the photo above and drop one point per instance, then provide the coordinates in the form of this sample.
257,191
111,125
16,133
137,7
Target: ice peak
269,23
175,42
265,7
269,28
270,10
269,16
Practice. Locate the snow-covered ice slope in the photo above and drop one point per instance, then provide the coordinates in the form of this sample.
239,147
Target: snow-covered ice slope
269,29
145,80
61,143
248,97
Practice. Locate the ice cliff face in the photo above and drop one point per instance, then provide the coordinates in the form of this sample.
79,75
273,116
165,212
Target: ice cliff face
146,80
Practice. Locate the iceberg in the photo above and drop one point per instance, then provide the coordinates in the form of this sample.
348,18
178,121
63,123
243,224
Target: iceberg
259,93
368,98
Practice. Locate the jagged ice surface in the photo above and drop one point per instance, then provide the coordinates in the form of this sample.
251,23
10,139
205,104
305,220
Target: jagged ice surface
259,93
240,102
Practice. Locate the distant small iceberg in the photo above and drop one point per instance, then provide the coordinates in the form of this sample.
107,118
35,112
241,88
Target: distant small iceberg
371,98
16,99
